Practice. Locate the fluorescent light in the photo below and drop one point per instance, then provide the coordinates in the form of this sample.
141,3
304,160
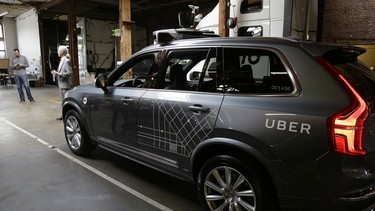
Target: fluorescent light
4,13
11,2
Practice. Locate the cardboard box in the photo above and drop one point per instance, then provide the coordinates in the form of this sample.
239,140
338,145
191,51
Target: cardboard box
35,83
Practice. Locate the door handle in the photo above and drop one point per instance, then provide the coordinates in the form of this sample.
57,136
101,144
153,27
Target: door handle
199,108
127,100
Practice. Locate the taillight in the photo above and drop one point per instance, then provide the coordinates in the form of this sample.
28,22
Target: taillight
346,128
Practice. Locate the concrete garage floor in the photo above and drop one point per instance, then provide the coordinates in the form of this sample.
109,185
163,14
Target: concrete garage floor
38,171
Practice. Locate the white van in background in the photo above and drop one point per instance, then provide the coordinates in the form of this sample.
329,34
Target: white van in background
268,18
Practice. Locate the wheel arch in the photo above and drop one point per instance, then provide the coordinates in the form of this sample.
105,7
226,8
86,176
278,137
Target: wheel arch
69,105
238,149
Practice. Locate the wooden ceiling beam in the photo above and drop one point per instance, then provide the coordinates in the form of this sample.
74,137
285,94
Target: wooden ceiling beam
48,4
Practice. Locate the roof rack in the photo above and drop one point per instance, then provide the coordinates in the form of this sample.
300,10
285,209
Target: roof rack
167,35
186,21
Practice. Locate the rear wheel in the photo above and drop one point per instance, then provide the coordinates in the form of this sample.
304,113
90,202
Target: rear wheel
76,135
226,183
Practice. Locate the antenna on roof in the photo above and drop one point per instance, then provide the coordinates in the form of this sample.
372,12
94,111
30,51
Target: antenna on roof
186,19
194,9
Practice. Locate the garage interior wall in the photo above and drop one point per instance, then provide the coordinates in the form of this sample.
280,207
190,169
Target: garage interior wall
103,47
351,22
10,36
54,33
29,41
100,44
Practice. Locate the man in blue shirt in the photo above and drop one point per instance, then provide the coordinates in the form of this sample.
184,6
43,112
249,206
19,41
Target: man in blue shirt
18,64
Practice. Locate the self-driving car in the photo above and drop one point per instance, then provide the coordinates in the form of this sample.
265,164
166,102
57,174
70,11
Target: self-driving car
255,123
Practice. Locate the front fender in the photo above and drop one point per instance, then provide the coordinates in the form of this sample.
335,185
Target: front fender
69,104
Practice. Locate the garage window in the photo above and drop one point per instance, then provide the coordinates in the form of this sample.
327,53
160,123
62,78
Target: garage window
250,6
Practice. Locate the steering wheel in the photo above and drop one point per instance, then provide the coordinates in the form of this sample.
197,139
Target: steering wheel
137,80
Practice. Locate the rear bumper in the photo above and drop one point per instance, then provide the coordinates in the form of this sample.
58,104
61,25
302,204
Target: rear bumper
336,182
371,208
359,196
363,204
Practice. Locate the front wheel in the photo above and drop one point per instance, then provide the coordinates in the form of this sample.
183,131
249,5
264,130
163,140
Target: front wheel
226,183
76,135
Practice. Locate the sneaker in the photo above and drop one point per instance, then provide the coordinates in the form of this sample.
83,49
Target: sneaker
22,101
32,101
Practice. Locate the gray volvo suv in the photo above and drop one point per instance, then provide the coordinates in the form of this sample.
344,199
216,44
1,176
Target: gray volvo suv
255,123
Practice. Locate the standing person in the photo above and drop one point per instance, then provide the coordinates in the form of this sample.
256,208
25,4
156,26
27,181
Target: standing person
18,64
63,73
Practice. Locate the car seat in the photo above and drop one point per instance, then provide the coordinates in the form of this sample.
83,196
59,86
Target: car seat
178,78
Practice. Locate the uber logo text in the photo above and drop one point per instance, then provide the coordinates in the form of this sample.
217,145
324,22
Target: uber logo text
295,127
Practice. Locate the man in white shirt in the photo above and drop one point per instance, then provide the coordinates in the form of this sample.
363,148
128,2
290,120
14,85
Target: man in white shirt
63,73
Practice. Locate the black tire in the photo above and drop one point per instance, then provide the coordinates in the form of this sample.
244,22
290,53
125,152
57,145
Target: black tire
76,136
245,189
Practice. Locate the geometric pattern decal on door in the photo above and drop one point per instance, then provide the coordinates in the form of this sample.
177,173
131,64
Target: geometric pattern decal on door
175,130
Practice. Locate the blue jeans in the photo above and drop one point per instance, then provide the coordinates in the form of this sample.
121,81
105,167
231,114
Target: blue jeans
21,79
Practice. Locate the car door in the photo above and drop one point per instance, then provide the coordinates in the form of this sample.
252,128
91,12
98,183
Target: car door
173,121
113,113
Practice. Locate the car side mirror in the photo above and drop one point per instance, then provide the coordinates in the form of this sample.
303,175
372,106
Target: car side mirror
101,82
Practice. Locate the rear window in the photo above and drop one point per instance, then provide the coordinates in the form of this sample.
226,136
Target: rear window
361,77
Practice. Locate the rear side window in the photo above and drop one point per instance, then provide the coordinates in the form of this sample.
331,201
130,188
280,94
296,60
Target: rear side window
251,71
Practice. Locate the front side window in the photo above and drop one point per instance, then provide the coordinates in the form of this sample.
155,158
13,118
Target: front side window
140,72
254,71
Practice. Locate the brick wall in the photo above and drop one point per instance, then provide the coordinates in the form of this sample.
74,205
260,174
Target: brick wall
349,21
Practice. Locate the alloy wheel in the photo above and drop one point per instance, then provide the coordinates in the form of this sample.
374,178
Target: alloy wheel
226,188
73,133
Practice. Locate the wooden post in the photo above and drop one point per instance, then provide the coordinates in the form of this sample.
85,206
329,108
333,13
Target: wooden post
43,52
223,17
73,43
125,27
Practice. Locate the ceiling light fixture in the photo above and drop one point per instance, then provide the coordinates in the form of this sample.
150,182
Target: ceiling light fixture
4,13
